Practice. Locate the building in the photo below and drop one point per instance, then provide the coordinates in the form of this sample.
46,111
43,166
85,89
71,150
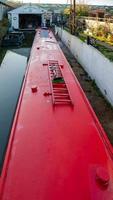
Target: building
100,13
4,7
29,17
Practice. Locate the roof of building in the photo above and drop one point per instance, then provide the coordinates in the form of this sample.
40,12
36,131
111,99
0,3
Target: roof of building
29,8
98,11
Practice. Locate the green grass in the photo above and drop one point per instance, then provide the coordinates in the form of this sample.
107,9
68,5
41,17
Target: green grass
82,37
67,29
108,53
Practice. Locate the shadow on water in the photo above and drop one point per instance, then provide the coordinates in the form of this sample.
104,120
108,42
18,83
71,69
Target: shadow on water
12,73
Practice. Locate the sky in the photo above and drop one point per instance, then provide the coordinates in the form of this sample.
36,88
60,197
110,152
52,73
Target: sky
93,2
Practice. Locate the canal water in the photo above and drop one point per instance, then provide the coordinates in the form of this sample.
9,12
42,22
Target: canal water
12,71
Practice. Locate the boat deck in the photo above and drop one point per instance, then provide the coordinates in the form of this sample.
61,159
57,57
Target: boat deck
58,149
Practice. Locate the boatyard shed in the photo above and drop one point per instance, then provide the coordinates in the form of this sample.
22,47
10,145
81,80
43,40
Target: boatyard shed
29,17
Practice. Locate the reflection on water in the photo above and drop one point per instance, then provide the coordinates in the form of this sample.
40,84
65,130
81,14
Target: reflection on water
12,72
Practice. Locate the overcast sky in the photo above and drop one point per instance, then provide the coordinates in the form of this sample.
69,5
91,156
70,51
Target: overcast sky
98,2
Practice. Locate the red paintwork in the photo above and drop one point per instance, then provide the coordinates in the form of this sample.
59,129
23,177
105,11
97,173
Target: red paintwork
56,152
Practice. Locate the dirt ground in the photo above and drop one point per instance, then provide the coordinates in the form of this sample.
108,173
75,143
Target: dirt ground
102,108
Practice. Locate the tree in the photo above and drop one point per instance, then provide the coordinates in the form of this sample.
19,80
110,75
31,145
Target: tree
82,9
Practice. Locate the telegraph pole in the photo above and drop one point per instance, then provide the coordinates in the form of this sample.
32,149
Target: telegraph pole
70,17
74,16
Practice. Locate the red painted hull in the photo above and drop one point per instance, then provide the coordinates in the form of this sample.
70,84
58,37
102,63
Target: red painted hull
57,148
